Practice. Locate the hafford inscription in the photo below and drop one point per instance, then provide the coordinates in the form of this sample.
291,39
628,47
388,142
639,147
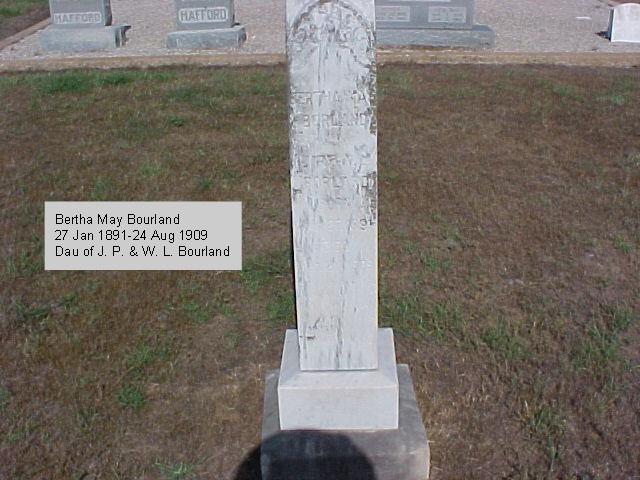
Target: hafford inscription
204,14
80,13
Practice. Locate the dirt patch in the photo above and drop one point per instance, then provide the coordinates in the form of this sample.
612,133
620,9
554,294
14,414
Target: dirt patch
12,25
509,269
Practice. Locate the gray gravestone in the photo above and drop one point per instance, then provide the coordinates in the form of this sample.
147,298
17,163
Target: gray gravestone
338,369
204,14
624,23
437,23
81,25
206,24
416,14
80,13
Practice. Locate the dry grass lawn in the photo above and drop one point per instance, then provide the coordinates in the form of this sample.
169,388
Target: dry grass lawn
509,268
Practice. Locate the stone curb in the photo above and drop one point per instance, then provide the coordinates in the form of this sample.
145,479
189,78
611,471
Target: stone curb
385,56
4,43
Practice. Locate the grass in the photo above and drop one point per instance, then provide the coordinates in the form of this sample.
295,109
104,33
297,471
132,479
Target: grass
15,8
176,471
130,396
509,269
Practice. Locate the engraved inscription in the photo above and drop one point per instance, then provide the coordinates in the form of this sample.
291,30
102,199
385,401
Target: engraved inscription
77,18
203,15
447,14
393,13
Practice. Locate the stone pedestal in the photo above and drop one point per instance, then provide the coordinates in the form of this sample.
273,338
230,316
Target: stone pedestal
72,40
232,37
398,454
338,399
478,37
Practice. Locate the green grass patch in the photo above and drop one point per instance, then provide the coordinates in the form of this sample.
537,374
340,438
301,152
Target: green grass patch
263,270
5,396
175,471
280,309
130,396
500,339
599,349
622,244
410,316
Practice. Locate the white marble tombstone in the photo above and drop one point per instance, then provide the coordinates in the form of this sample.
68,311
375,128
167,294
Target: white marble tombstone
339,407
624,23
337,353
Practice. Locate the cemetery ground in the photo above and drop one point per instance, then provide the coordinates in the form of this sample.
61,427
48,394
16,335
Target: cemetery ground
16,15
509,268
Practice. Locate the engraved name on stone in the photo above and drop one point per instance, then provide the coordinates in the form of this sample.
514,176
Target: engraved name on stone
81,18
447,14
80,13
334,182
393,14
203,15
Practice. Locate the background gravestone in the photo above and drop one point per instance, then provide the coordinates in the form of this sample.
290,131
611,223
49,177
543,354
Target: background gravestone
206,24
624,23
81,25
456,14
80,13
338,371
437,23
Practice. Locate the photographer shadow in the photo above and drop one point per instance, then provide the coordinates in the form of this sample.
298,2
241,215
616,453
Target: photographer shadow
306,455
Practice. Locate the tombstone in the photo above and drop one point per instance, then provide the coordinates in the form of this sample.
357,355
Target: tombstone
338,372
624,23
206,24
436,23
81,25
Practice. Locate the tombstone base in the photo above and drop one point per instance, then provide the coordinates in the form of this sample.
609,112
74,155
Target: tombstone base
480,36
402,453
232,37
339,399
72,40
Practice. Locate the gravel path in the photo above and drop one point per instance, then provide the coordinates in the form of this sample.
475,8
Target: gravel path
520,26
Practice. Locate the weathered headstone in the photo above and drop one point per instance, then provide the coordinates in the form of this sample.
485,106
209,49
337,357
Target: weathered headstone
80,13
206,24
624,23
81,25
456,14
439,23
338,369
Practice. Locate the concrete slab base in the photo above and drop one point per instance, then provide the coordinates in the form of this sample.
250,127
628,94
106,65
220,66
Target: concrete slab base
92,39
232,37
480,36
338,399
345,455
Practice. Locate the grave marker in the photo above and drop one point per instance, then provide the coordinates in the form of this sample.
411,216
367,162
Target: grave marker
338,369
80,26
80,13
437,23
206,24
624,23
418,14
